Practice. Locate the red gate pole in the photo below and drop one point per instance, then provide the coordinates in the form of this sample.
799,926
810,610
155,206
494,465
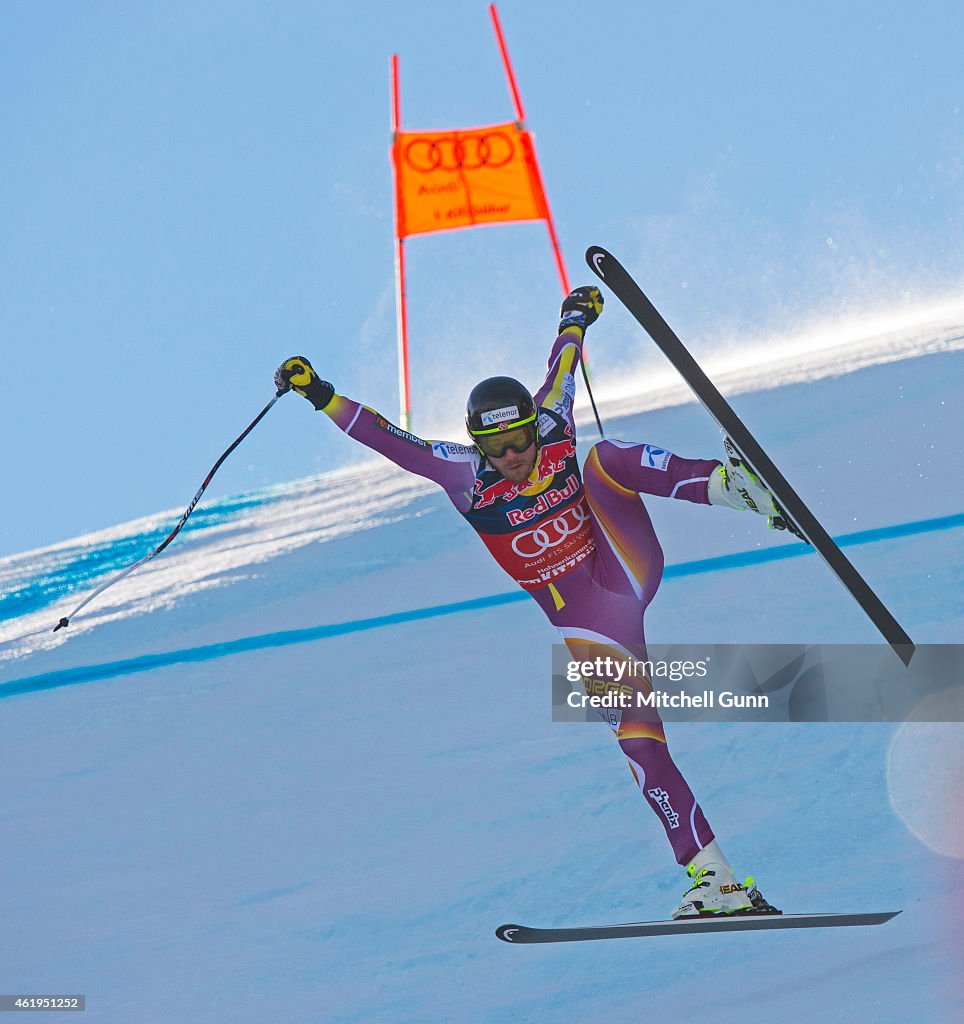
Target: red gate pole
401,311
520,119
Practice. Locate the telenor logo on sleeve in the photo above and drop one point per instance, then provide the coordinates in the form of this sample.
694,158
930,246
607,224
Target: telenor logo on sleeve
655,458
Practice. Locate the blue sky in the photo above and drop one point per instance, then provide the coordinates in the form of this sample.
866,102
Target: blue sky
193,191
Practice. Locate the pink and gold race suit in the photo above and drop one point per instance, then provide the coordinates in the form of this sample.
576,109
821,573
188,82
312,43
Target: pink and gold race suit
580,542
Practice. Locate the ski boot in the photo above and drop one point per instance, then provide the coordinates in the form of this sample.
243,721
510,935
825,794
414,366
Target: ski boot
715,890
735,484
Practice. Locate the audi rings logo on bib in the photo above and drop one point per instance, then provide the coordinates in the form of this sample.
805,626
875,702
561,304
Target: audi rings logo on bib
532,543
459,151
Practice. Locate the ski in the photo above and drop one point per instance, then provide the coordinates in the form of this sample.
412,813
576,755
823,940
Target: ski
520,934
800,519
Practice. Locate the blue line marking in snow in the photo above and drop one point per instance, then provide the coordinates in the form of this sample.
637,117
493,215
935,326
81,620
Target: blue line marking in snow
848,540
108,670
112,669
76,568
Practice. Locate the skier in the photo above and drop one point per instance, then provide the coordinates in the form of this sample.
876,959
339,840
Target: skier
580,543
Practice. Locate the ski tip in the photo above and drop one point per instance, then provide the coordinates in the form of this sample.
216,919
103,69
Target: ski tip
596,257
506,932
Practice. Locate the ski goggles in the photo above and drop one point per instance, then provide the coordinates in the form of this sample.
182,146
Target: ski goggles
499,440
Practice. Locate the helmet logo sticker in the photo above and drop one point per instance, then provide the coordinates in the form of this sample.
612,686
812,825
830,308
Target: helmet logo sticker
497,417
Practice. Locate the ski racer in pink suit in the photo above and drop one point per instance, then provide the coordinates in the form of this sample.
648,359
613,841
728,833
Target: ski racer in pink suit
580,543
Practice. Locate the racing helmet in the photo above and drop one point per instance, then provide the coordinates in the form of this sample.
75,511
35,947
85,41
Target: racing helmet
500,416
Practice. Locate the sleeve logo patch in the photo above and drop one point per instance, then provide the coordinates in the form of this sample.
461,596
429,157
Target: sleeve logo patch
402,435
655,458
495,417
563,403
451,450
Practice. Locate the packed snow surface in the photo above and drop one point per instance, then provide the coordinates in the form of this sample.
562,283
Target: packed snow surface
301,765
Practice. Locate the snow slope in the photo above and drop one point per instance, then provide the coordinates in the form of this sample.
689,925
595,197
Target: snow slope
302,765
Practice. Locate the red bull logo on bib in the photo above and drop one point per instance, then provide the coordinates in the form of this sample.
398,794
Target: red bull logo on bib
548,500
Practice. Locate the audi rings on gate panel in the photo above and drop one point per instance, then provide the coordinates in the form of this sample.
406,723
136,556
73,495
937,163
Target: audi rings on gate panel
458,152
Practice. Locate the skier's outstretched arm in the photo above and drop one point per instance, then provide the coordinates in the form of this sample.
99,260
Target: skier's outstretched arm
450,465
580,309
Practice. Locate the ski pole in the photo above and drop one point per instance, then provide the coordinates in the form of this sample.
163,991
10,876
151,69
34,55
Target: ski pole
65,621
592,400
